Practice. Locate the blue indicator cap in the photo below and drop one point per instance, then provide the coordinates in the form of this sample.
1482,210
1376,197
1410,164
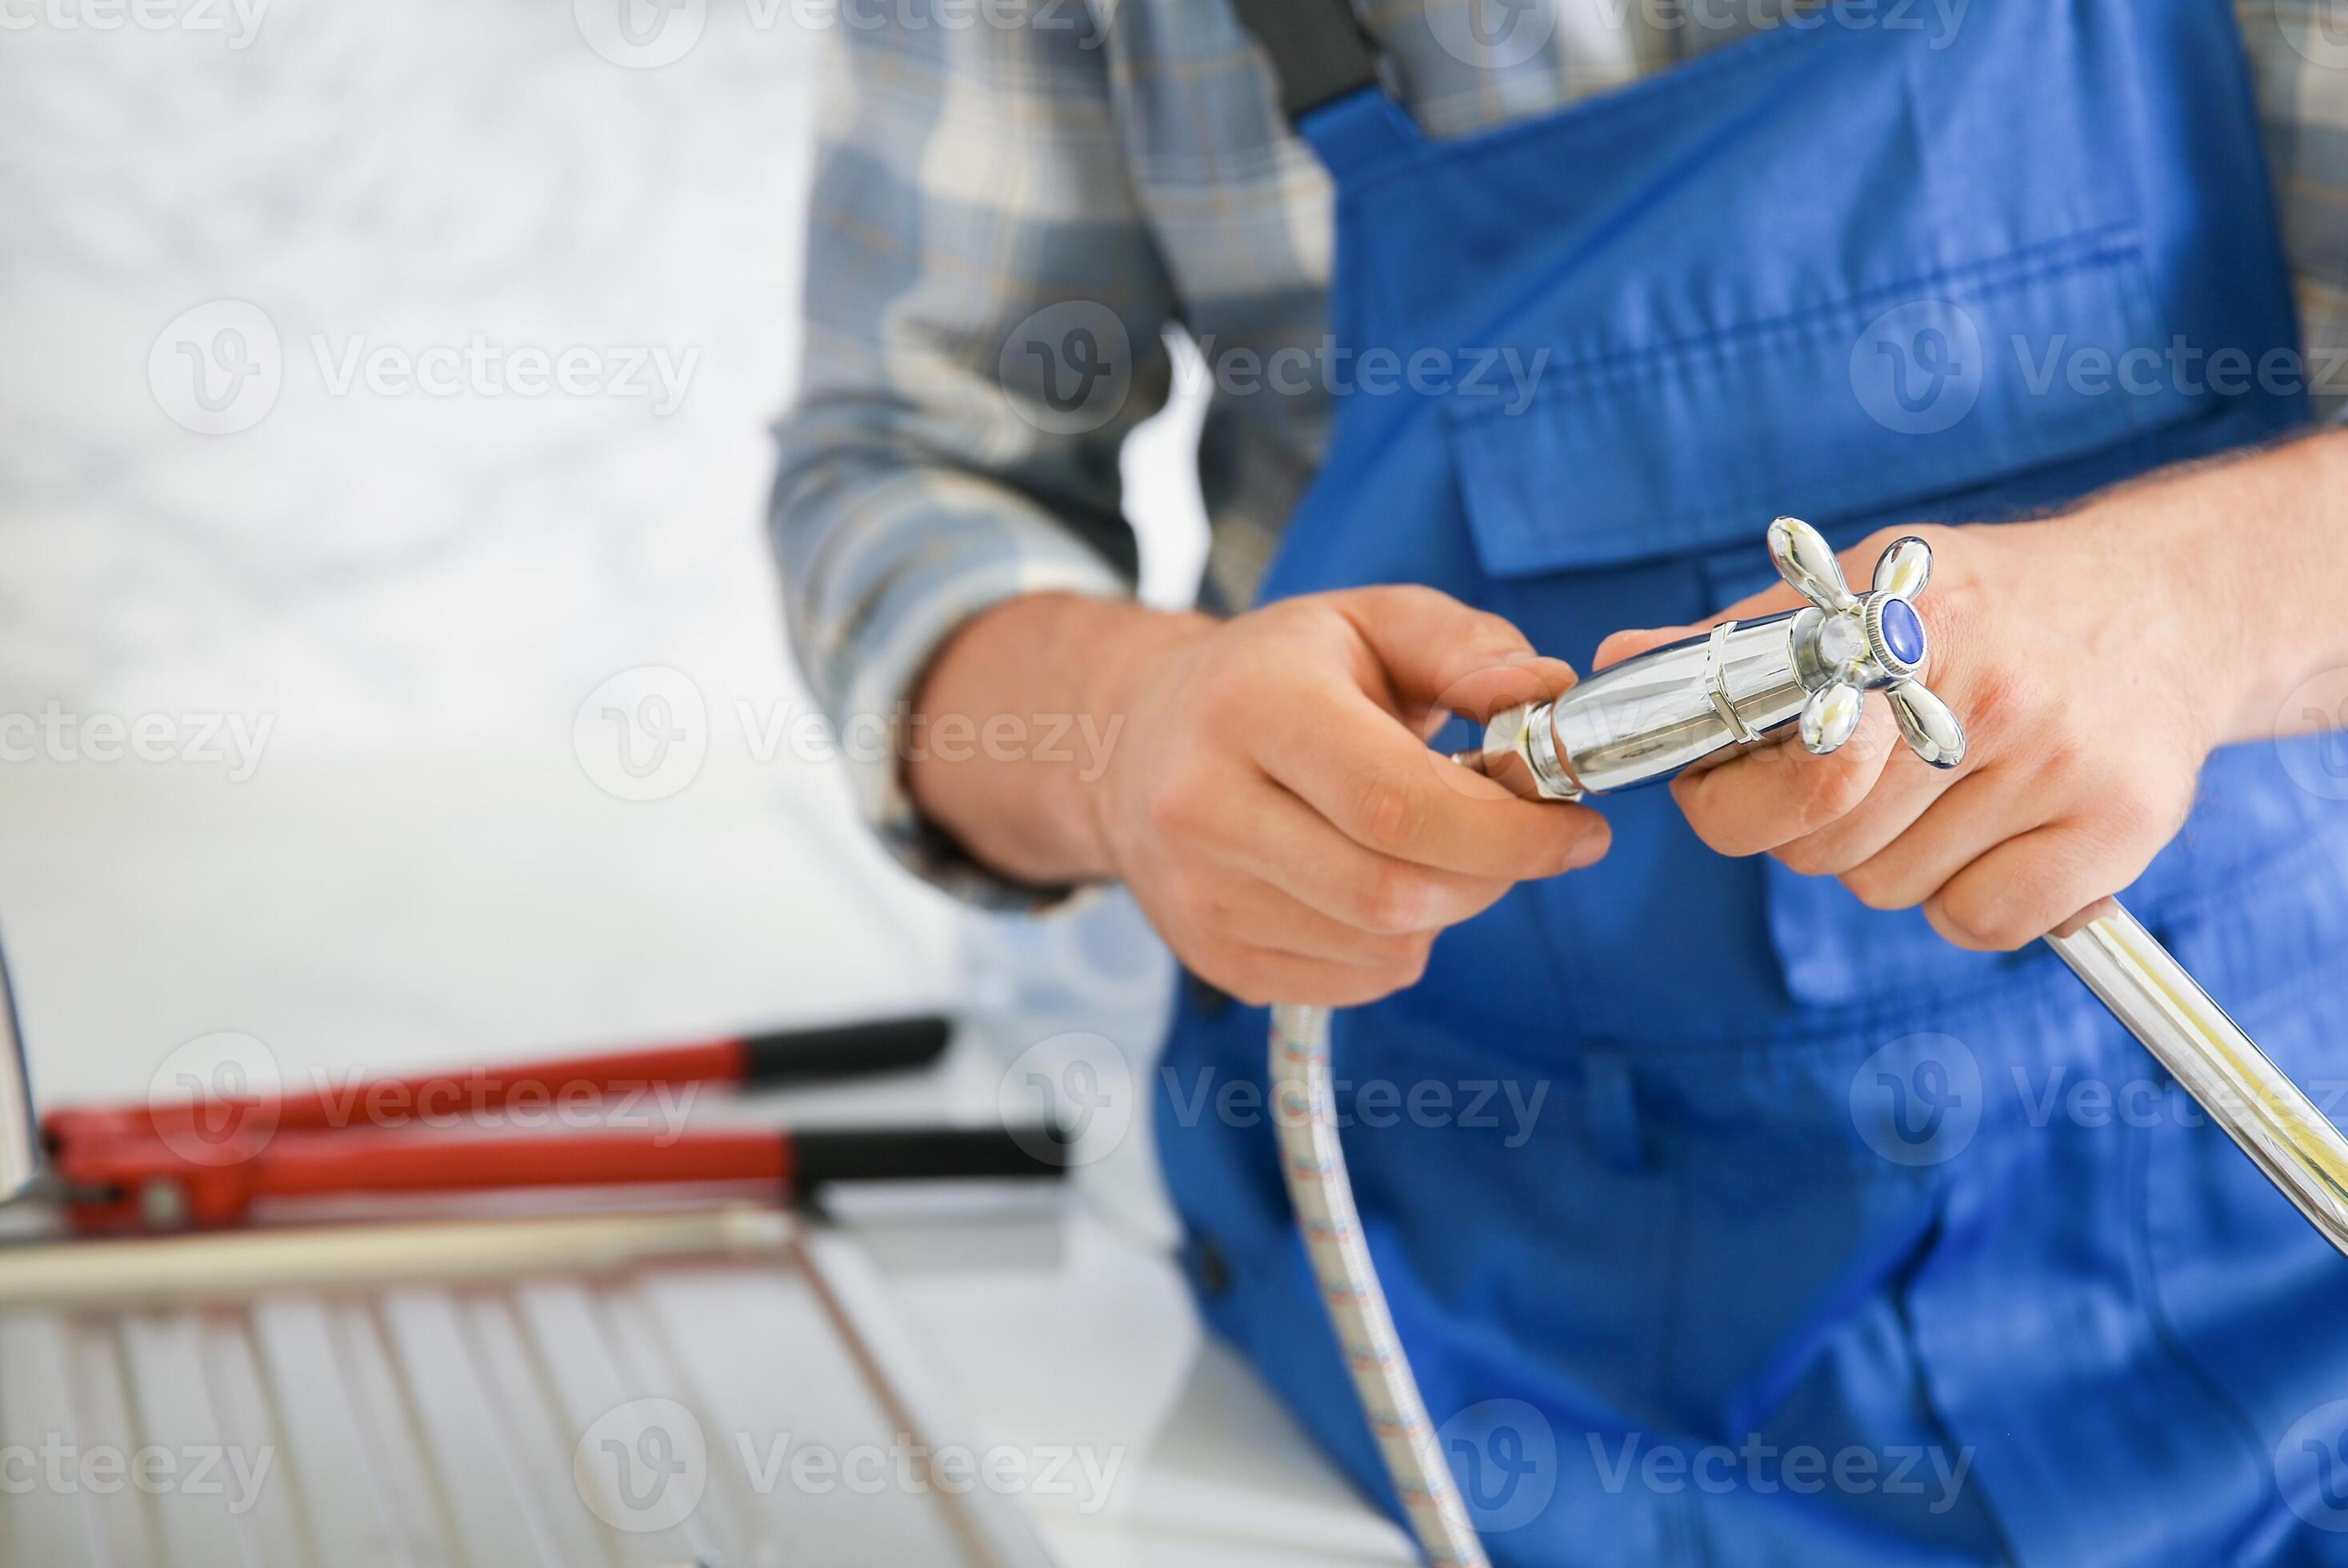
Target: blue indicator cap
1903,632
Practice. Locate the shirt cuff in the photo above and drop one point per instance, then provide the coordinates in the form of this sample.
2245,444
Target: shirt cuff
929,601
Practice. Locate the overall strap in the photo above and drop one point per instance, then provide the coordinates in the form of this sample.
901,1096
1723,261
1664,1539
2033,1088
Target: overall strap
1318,48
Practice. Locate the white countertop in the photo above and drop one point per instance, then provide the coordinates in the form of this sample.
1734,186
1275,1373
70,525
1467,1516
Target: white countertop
396,913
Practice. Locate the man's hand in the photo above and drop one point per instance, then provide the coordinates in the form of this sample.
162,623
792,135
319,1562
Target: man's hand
2090,668
1270,797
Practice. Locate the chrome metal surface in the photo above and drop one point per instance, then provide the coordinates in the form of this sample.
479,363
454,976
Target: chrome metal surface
2245,1093
20,1145
1673,708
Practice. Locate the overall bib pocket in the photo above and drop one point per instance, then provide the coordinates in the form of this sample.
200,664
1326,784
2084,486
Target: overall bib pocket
1633,491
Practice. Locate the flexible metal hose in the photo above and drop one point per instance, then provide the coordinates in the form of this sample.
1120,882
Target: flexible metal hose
1305,1111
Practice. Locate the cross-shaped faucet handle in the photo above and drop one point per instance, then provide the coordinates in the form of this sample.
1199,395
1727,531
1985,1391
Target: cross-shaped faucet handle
1873,642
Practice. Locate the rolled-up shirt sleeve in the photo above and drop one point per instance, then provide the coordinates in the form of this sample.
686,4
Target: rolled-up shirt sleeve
984,315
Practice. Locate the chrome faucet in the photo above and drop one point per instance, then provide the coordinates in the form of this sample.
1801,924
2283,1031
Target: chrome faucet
20,1143
1680,704
1683,706
1690,702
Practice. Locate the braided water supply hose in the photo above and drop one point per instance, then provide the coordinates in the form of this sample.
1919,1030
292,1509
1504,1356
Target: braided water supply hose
1304,1106
1647,718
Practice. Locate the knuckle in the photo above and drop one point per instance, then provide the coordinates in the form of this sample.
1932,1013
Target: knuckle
1385,813
1834,791
1874,889
2133,815
1175,807
1394,900
1988,928
1806,857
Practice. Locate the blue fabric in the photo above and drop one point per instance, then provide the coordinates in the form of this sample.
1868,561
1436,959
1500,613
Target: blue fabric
1683,1157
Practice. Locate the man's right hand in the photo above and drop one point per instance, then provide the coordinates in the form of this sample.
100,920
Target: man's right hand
1267,793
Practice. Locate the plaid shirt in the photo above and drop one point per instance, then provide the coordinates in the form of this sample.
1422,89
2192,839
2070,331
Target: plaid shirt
1122,166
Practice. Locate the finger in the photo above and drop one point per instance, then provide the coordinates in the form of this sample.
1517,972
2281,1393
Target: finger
1257,914
1295,850
2087,917
1348,759
1977,813
1260,976
1630,644
1901,797
1771,795
2027,885
1433,651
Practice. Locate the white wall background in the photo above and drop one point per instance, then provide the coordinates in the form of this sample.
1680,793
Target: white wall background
416,593
387,569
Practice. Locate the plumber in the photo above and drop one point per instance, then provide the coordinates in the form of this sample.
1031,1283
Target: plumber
1802,258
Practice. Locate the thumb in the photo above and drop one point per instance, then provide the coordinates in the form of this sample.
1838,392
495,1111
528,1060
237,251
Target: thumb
1441,656
1630,644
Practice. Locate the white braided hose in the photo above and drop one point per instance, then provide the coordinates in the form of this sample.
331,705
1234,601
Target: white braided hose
1305,1113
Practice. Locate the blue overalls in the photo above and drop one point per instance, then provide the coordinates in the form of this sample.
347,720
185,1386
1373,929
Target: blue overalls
1725,1220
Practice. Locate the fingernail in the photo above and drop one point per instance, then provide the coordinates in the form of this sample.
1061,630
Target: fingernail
1590,848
